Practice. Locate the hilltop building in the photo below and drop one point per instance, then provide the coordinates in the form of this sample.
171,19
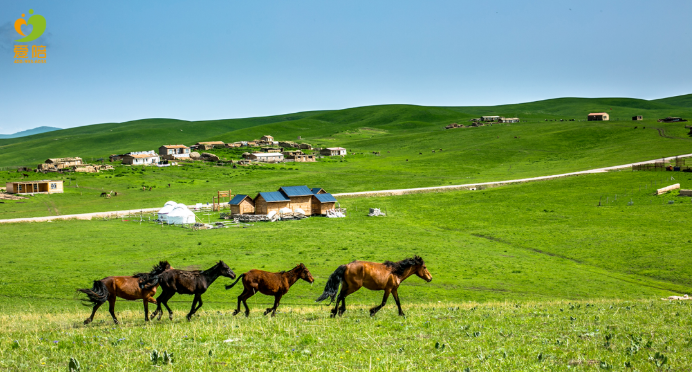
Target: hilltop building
173,152
333,151
598,116
141,158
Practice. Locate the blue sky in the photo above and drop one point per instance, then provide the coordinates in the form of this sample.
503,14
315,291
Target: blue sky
127,60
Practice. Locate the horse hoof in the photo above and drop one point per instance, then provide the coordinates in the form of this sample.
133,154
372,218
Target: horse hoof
235,313
333,316
87,321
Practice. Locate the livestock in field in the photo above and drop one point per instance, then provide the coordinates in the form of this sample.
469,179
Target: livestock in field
270,284
125,287
374,276
194,282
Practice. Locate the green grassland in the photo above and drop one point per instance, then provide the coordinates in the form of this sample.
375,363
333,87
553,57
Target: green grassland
404,135
514,268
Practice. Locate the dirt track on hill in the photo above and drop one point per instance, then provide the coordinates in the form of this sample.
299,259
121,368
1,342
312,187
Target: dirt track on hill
470,186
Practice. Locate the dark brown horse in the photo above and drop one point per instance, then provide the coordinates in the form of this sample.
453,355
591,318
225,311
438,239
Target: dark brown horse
270,284
374,276
194,282
126,287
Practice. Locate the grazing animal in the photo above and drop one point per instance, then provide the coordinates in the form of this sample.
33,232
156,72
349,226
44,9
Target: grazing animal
374,276
270,284
104,194
194,282
126,287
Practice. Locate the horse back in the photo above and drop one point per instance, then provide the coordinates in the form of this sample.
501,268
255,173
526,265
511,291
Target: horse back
266,282
127,287
371,275
183,282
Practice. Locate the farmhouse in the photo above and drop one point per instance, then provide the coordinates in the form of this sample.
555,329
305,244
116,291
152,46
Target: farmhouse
302,158
638,117
305,146
210,145
234,144
598,116
272,150
265,157
321,203
172,152
671,119
62,163
266,202
333,151
242,204
299,196
141,158
267,138
318,190
35,187
509,120
490,118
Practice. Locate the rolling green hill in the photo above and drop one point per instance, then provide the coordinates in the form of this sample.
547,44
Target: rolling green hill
101,140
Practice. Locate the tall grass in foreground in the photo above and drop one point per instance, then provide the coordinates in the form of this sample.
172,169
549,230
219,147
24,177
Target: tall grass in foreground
604,334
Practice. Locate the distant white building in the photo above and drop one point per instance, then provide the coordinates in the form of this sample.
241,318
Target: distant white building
509,120
141,158
490,118
266,157
333,151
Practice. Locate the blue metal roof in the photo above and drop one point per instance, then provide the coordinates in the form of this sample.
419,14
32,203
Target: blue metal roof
296,190
237,199
325,198
274,196
315,190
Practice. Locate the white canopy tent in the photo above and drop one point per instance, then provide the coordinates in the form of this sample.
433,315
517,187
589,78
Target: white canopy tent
167,208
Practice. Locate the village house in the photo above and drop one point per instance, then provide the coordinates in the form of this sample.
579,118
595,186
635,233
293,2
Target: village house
508,120
300,197
638,117
333,151
598,116
267,138
62,163
35,187
234,144
321,203
172,152
242,204
302,158
266,202
209,145
265,157
141,158
490,118
304,146
288,144
318,190
251,144
454,125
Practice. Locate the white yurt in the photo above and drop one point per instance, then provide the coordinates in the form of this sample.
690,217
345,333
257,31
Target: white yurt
167,208
180,215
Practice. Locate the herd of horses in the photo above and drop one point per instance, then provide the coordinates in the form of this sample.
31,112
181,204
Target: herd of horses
386,276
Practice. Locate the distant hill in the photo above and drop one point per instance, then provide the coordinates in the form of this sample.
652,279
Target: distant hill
29,132
680,101
320,127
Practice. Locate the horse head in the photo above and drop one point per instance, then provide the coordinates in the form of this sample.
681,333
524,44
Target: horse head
305,273
224,270
422,270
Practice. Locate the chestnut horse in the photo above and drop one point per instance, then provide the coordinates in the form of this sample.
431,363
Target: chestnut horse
270,284
194,282
126,287
374,276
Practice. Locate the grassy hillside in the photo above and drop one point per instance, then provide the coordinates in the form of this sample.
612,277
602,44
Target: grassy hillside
101,140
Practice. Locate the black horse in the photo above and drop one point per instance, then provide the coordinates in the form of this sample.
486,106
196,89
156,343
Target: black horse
193,282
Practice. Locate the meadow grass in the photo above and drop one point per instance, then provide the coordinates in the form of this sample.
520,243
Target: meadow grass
453,336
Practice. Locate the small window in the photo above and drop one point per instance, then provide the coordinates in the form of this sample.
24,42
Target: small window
19,187
53,186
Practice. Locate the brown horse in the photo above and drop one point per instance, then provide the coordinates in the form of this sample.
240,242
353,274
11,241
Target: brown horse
126,287
270,284
374,276
194,282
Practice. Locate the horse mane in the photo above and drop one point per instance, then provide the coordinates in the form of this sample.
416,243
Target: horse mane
398,268
156,270
299,266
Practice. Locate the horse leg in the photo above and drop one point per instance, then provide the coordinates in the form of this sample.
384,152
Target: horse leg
277,298
375,309
111,308
236,311
146,310
89,319
395,294
194,303
339,298
247,309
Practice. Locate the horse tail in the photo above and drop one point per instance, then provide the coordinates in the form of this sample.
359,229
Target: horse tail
333,284
236,281
97,295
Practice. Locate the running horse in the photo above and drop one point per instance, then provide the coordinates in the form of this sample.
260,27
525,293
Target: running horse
270,284
374,276
194,282
125,287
